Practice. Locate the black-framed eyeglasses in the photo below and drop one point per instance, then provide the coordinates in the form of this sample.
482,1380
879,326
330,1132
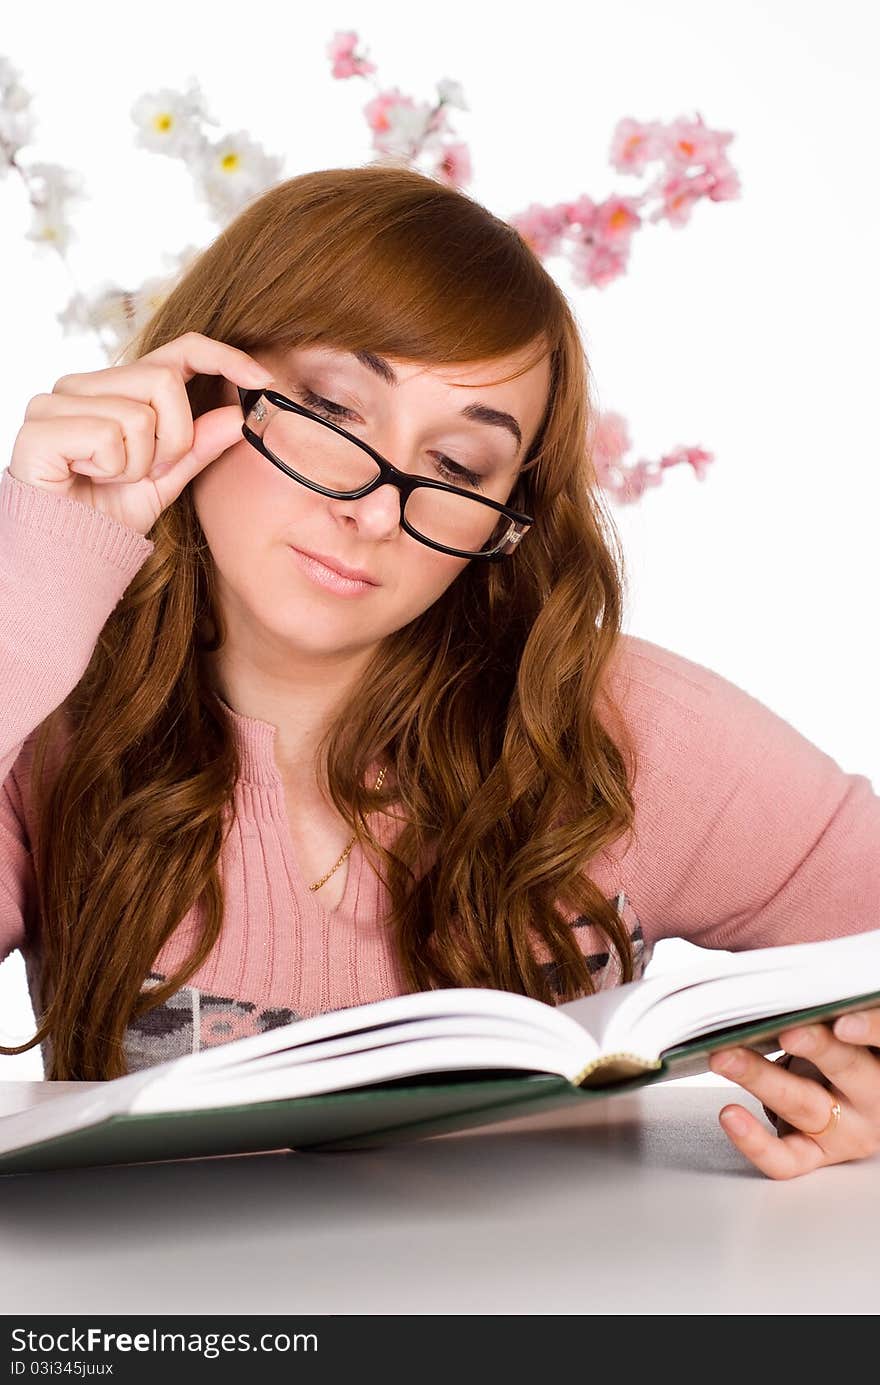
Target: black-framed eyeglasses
448,518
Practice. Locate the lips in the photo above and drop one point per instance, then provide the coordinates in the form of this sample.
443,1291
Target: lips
352,573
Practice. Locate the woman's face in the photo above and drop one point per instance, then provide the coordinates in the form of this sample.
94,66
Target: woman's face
252,513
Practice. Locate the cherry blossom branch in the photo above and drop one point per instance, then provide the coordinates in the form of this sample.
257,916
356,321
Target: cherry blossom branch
231,170
596,236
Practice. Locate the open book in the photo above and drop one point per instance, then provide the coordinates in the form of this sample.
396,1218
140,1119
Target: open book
441,1060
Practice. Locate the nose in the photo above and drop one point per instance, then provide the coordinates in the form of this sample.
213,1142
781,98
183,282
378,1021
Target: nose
378,514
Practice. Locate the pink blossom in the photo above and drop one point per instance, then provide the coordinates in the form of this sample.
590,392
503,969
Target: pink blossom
725,185
377,110
610,436
626,486
542,227
597,265
345,64
678,195
617,217
633,145
695,457
581,212
609,441
454,165
598,235
689,142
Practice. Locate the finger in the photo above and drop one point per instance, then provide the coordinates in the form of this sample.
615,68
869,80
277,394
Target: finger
799,1100
159,379
854,1071
788,1157
158,385
859,1027
136,422
195,354
213,434
57,447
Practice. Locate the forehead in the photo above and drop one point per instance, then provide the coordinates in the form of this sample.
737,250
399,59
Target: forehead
529,389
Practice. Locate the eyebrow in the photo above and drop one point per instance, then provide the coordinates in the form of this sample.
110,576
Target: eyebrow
478,413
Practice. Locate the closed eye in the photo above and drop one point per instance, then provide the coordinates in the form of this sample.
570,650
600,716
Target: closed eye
453,472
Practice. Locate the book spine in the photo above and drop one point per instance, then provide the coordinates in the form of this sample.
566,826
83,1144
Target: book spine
614,1067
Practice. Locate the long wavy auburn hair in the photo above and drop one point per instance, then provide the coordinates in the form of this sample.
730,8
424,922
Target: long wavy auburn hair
485,708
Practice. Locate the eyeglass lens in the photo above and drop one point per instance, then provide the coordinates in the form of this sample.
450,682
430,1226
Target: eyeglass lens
320,455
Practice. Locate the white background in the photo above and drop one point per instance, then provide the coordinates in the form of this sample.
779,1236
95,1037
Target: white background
750,332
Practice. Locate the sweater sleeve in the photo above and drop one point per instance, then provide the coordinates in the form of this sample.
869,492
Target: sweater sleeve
746,833
63,568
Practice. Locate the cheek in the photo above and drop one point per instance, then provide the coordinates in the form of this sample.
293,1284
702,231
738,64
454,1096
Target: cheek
244,505
249,510
422,575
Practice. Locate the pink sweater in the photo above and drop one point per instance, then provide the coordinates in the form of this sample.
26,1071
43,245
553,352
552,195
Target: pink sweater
746,834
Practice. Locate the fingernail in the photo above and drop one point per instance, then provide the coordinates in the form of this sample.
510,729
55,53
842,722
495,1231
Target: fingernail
732,1063
161,469
851,1027
735,1121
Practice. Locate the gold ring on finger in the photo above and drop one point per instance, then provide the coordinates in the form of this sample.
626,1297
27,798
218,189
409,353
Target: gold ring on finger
831,1123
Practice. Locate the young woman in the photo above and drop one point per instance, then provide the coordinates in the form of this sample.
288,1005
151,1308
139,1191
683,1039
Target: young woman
240,788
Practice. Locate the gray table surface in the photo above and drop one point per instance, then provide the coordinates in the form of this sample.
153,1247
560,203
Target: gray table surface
637,1204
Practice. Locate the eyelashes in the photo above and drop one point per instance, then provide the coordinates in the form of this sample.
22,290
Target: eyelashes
452,471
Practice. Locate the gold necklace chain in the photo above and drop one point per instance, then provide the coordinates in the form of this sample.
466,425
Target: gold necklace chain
325,878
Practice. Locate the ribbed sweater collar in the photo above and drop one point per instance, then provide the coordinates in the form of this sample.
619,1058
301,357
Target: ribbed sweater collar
255,740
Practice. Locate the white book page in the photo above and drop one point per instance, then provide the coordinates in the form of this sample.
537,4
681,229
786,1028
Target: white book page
646,1016
751,984
437,1030
470,1002
611,1016
422,1056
